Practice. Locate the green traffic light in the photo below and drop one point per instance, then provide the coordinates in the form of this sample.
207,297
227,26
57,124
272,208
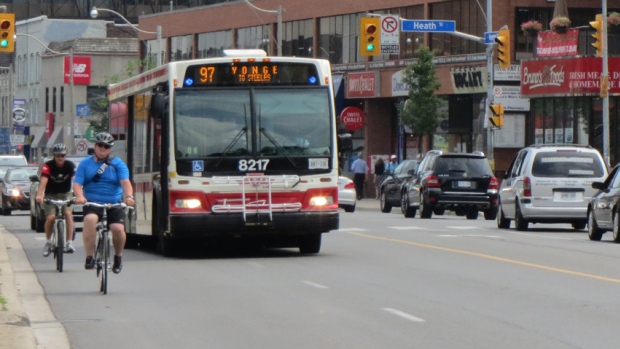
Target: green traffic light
370,47
4,43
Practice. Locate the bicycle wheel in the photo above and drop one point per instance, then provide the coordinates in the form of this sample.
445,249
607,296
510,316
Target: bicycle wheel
60,244
105,262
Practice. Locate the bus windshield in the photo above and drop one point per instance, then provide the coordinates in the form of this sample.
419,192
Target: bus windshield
263,122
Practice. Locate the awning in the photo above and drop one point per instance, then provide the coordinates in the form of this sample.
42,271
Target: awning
39,141
338,84
56,137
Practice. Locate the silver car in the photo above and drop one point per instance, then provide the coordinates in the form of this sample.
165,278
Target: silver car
550,184
346,194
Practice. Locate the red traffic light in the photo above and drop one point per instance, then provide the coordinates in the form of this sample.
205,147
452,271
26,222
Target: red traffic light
5,25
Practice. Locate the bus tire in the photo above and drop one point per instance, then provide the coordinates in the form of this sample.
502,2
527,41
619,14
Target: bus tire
310,244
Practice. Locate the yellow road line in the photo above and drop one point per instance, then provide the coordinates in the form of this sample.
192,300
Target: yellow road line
499,259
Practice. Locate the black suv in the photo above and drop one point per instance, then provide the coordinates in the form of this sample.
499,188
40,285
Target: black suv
392,186
459,182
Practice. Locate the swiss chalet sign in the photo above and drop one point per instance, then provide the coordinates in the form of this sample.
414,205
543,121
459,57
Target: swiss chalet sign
568,76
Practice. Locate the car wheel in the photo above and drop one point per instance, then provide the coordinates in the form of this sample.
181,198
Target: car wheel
405,207
473,214
385,206
502,221
349,208
439,212
520,222
616,228
425,210
491,213
594,232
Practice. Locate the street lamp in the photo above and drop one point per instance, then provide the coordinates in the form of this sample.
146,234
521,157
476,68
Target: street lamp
279,29
95,12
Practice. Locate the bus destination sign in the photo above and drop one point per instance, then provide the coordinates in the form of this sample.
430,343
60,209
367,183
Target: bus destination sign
251,73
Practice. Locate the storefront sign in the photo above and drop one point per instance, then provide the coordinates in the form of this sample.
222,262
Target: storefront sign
362,85
551,44
81,70
509,74
510,98
399,88
567,76
469,79
353,118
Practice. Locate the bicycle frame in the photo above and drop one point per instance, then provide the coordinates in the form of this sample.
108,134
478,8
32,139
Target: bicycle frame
102,245
59,232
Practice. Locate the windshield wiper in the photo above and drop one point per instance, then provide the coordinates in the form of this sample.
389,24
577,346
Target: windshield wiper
279,147
232,143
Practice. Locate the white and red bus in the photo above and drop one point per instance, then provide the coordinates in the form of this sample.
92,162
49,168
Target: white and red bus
237,147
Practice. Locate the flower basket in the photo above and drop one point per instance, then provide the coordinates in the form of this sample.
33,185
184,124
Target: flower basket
560,24
531,28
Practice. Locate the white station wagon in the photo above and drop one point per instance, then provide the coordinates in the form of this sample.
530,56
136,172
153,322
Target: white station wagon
550,184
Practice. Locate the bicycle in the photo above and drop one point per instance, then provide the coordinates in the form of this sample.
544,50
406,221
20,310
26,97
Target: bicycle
102,245
58,239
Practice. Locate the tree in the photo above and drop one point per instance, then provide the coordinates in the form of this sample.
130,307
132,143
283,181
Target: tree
421,111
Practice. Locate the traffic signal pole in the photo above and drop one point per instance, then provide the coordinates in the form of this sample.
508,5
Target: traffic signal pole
489,99
604,84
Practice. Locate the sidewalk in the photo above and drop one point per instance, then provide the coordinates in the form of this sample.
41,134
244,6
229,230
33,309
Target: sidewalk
26,318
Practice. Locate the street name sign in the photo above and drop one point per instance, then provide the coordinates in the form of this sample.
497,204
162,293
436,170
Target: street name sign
431,26
390,34
489,37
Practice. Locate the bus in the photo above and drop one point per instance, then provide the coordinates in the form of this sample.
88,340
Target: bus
239,147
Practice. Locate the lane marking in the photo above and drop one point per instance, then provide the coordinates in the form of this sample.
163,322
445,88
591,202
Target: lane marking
460,227
407,228
482,236
403,315
352,229
314,284
495,258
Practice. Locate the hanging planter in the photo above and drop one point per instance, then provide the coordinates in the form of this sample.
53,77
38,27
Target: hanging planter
560,24
531,28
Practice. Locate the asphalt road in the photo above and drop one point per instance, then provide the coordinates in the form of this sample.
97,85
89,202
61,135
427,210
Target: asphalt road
381,281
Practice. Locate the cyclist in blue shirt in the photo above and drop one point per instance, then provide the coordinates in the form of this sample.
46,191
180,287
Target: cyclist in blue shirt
104,180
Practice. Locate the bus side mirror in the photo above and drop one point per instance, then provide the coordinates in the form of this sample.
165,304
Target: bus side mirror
158,106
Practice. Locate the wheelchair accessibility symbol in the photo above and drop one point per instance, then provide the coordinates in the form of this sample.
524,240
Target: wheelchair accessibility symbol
198,165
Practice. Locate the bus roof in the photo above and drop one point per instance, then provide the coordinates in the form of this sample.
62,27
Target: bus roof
245,53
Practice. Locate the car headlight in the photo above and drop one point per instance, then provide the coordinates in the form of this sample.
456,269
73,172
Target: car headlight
15,192
187,203
322,201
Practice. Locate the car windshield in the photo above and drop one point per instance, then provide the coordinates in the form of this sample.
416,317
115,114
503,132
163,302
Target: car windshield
473,166
567,164
22,174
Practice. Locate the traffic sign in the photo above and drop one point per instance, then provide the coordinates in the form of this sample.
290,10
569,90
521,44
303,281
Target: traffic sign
489,37
82,109
390,34
432,26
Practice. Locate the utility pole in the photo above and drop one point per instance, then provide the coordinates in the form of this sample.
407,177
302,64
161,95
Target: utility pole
489,101
604,81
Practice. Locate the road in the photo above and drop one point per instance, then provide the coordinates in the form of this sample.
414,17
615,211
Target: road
381,281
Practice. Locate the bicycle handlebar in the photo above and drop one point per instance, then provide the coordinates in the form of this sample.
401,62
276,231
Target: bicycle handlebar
120,204
59,202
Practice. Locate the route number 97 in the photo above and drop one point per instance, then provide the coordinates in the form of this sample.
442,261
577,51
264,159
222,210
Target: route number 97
252,165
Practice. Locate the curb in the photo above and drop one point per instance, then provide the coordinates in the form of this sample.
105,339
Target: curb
28,322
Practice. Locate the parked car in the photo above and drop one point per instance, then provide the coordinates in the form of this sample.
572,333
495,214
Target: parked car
13,160
16,189
604,208
346,194
550,184
459,182
37,215
391,190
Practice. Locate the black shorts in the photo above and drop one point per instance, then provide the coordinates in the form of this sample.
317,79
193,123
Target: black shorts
115,214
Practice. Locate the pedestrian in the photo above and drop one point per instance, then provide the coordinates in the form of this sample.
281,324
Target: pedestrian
55,184
392,165
359,169
379,176
103,179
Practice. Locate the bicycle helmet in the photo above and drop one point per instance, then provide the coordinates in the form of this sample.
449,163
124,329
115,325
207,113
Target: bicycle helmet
59,149
104,137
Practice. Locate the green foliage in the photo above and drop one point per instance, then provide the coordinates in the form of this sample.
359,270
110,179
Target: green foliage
421,111
101,120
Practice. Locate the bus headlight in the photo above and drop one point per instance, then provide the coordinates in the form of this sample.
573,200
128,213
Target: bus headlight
322,201
187,203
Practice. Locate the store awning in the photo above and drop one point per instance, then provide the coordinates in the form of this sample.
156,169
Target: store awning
56,137
39,140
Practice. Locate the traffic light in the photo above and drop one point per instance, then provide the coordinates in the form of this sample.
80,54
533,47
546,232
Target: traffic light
503,48
598,35
497,119
7,32
370,36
